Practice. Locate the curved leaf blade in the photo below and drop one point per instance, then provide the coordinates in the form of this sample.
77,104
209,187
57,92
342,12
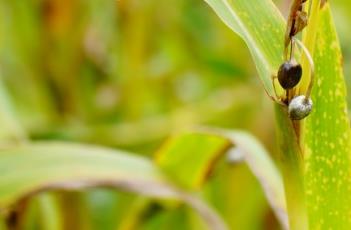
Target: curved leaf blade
264,169
262,27
180,155
30,169
27,168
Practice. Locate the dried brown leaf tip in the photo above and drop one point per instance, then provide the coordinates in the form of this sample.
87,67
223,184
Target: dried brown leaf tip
297,20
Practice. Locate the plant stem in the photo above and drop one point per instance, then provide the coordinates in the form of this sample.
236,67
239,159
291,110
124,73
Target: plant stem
292,169
290,137
309,38
51,216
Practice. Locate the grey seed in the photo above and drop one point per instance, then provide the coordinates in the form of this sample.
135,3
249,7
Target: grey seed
299,107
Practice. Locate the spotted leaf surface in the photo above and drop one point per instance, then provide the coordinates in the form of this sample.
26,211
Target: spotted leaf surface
327,136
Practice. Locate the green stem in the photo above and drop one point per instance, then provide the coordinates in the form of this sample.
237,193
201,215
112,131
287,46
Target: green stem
2,223
309,38
290,137
50,215
133,216
292,169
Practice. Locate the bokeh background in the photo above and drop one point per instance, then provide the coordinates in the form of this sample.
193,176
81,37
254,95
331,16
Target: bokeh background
128,74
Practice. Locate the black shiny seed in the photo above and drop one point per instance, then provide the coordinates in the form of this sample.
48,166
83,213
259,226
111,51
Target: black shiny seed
289,74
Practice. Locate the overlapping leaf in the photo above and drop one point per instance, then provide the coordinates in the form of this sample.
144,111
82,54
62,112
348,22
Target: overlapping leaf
325,137
188,159
33,168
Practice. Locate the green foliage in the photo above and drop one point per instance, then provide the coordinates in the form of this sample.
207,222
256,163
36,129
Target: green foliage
262,32
327,135
190,158
323,172
128,75
198,153
70,167
94,72
67,164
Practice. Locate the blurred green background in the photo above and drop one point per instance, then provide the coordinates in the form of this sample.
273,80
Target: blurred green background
127,74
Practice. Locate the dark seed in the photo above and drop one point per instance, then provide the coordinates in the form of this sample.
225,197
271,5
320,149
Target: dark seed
289,74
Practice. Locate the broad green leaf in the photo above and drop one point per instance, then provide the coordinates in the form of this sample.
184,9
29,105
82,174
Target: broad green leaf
261,25
38,167
327,135
189,158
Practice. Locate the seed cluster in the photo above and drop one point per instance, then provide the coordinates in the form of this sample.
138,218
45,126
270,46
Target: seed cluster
290,72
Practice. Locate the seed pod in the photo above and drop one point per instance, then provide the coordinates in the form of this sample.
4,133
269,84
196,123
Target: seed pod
299,107
289,74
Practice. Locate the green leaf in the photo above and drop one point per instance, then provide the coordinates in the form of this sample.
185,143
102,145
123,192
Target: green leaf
261,25
30,169
327,135
264,169
315,154
188,158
